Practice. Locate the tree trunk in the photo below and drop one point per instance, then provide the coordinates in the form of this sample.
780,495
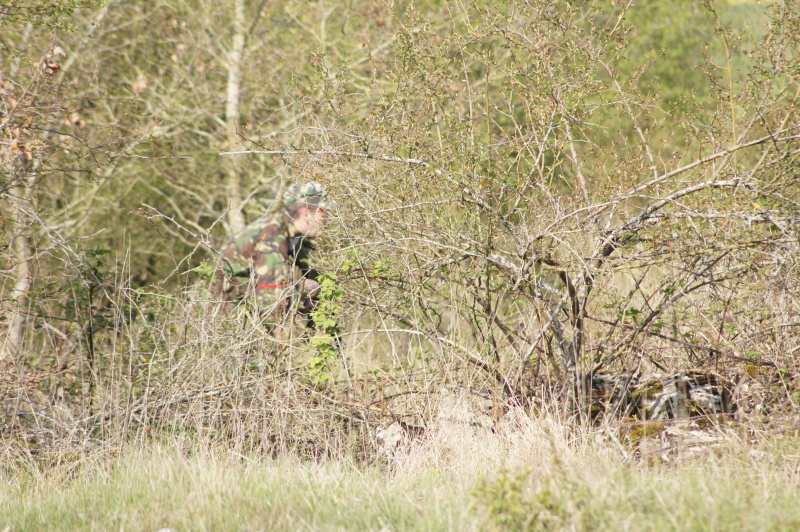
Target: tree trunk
22,272
233,180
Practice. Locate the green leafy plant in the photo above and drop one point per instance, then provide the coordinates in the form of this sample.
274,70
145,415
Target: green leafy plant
325,316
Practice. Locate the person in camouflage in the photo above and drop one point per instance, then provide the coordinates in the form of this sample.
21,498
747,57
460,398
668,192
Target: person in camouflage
269,262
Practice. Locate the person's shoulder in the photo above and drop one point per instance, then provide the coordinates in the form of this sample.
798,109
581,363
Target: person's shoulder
248,233
275,225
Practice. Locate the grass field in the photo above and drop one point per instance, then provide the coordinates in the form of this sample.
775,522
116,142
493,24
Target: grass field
530,474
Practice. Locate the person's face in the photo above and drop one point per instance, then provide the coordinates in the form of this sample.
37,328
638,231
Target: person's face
310,221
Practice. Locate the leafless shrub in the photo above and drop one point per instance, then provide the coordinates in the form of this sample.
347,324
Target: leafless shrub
517,215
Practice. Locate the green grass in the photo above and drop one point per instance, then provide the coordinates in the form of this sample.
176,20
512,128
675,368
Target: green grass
154,488
536,474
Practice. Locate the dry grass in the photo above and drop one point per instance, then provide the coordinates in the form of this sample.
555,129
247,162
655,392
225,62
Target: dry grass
532,473
203,424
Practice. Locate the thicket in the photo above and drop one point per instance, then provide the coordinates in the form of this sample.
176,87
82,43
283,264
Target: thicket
531,193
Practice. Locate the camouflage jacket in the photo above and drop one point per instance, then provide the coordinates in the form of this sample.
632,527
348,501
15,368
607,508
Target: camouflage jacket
268,259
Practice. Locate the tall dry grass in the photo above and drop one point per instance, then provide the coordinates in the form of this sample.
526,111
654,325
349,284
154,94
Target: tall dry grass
530,473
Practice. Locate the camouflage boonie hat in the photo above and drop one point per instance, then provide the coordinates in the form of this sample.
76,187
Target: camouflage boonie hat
311,194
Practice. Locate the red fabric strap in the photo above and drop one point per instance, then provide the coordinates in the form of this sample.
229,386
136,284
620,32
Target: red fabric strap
271,286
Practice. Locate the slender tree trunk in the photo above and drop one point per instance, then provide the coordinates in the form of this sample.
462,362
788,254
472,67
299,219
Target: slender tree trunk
233,181
22,254
20,245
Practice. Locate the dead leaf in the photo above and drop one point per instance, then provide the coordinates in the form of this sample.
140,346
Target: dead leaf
51,68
